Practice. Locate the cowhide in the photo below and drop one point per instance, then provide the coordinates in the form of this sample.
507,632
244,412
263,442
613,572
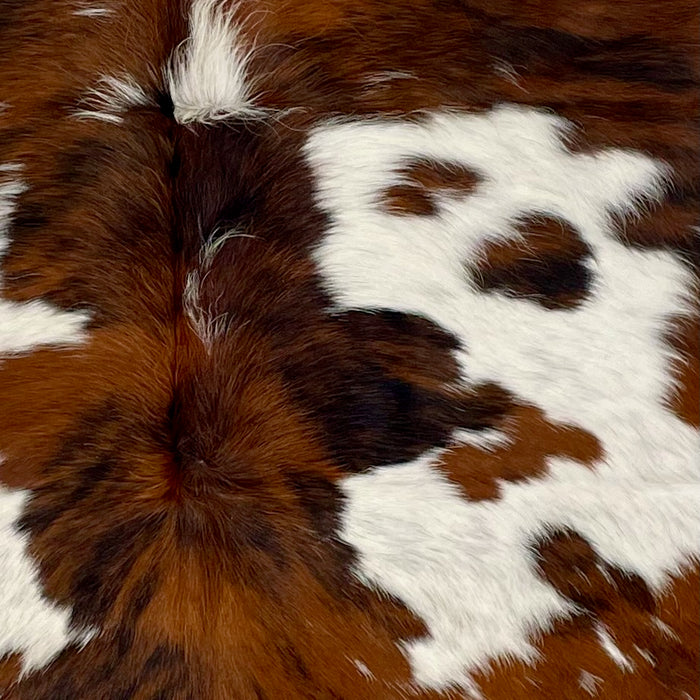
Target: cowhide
349,349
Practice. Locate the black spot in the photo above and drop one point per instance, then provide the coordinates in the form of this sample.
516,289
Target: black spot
174,165
165,104
256,532
141,596
124,641
83,163
634,590
30,216
10,13
331,564
371,419
398,327
91,477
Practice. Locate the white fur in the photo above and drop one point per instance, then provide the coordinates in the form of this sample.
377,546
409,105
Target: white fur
465,568
29,624
646,655
112,98
10,168
206,326
24,326
664,628
207,73
93,12
10,190
611,649
487,440
363,669
589,682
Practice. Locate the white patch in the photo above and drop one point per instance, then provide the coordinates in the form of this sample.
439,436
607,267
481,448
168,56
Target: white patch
29,624
9,192
465,568
93,12
507,71
589,683
611,649
487,440
664,628
10,168
24,326
206,326
207,73
646,655
362,668
112,98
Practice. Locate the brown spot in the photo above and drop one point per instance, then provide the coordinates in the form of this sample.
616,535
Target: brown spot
408,347
421,182
531,440
569,563
657,635
671,224
546,264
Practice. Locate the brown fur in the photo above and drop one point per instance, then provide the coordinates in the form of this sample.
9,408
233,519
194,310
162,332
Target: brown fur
185,498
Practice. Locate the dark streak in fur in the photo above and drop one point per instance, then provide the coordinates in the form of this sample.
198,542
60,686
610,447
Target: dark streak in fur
552,52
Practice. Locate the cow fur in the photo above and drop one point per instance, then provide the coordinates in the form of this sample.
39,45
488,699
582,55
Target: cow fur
349,349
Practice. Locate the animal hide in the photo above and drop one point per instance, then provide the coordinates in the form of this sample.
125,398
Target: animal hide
349,349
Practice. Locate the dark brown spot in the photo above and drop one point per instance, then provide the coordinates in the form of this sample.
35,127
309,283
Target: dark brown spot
547,265
569,563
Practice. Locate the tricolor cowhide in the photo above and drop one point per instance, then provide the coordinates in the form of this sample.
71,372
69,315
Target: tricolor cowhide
349,349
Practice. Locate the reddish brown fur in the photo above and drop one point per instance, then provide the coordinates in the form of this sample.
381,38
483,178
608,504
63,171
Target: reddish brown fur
420,180
532,439
207,555
547,263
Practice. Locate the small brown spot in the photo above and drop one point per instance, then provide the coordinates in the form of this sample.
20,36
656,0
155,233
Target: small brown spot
421,180
547,264
531,439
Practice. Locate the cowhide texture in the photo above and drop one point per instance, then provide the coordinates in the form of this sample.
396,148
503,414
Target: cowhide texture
349,349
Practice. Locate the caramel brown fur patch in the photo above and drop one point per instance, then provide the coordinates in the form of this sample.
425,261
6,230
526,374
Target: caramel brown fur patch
529,440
